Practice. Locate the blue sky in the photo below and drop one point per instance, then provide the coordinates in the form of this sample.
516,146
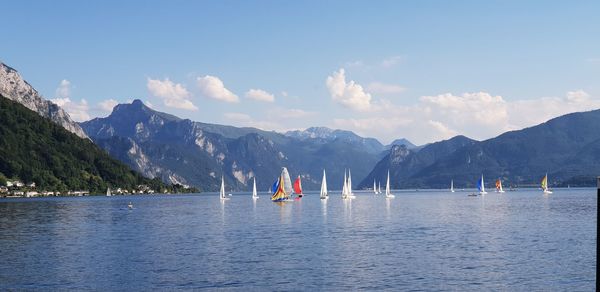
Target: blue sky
424,70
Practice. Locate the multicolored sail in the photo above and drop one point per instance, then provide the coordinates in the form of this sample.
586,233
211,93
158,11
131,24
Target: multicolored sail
284,187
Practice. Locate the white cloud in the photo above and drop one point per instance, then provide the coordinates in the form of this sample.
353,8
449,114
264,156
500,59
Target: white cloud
260,95
213,87
173,95
78,111
64,90
291,113
349,94
244,120
391,61
107,105
478,115
383,88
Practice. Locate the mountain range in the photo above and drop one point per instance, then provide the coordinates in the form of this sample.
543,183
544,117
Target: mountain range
194,153
181,151
566,147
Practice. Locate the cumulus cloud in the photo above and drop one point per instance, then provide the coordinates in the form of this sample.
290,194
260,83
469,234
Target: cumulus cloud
64,90
478,115
107,105
77,110
260,95
384,88
213,87
173,95
348,94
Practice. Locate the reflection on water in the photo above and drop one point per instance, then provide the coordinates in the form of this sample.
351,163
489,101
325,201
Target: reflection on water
419,240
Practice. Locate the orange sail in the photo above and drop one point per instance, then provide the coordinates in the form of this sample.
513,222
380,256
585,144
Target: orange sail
298,186
498,184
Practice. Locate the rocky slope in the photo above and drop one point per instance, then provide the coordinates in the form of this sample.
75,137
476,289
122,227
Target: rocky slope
182,151
14,87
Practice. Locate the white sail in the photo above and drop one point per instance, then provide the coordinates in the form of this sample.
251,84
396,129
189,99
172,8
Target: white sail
388,193
350,193
324,195
379,189
108,193
481,186
345,186
374,187
254,193
222,191
452,186
287,182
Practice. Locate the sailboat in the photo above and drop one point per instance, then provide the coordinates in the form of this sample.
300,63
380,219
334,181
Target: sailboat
283,187
324,195
345,187
481,186
108,193
388,193
222,192
298,188
254,193
499,186
545,185
452,186
350,193
374,187
379,189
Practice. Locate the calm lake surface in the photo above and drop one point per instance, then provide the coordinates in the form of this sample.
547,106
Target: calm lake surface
425,240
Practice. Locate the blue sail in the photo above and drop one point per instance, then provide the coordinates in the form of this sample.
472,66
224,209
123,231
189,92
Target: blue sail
275,186
480,184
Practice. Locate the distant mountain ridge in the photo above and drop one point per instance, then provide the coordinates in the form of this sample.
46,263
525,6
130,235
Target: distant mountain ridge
195,153
565,147
14,87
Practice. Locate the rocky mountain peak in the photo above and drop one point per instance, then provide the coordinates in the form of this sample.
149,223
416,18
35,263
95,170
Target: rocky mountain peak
398,153
14,87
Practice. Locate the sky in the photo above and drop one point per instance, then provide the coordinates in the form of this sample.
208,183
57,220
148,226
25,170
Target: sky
421,70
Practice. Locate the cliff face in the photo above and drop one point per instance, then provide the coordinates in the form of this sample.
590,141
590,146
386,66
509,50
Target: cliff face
14,87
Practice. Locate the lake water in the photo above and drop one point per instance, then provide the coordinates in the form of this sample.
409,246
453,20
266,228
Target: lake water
425,240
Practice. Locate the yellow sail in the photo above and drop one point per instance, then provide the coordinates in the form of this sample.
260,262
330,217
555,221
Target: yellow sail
545,182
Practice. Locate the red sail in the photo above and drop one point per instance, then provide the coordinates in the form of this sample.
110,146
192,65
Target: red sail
298,186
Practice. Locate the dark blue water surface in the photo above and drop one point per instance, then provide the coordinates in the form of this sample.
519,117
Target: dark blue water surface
425,240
